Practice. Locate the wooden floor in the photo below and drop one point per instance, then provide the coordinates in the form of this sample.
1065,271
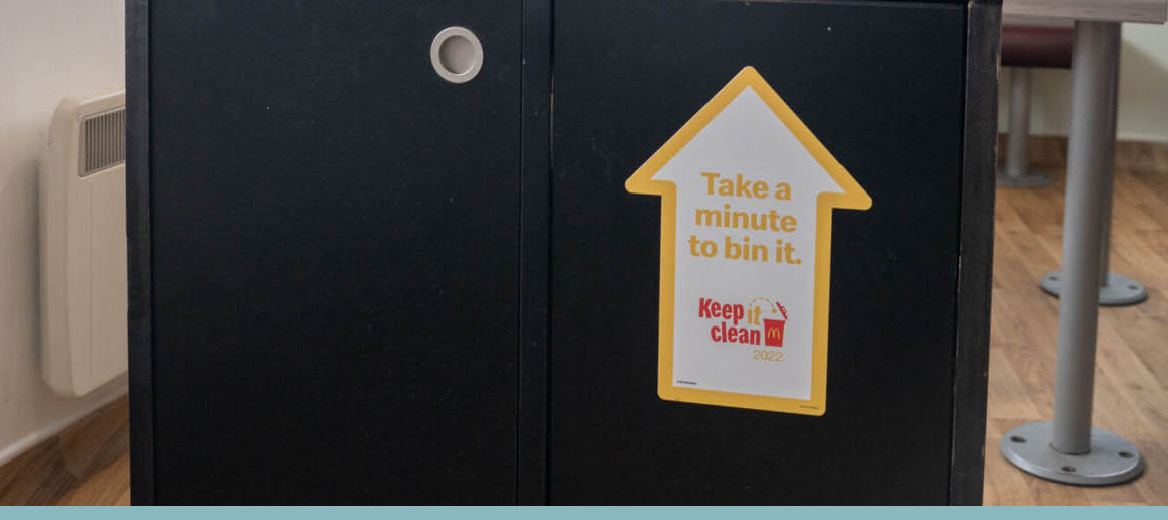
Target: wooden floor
1131,392
88,464
1131,378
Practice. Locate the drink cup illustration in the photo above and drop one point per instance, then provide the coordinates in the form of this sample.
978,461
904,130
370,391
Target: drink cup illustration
773,328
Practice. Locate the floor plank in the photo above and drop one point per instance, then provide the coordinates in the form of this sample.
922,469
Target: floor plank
87,464
1131,389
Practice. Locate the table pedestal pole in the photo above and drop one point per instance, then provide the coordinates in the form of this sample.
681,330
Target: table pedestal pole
1016,171
1068,449
1114,288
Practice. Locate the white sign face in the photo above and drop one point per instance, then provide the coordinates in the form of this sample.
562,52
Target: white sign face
747,193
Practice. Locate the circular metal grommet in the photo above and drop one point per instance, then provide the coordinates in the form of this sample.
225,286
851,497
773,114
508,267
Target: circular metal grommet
456,54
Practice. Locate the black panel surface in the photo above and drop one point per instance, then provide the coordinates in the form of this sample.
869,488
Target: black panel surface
975,278
335,253
881,85
534,228
138,251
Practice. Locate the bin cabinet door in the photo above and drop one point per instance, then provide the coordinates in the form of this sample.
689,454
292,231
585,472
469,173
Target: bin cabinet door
881,86
334,241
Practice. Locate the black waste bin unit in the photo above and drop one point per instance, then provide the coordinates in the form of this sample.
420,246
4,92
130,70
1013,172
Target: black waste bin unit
354,281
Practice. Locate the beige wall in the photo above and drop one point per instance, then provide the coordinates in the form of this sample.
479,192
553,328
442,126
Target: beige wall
1143,90
48,49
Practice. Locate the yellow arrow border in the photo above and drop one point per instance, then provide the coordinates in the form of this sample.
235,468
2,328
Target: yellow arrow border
853,197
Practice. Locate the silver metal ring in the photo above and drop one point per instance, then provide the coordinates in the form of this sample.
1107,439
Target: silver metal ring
456,54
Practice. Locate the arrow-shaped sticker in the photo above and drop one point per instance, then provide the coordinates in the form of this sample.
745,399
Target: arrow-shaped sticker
746,193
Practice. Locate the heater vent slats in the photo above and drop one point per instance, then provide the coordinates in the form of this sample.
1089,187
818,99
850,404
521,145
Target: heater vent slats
103,141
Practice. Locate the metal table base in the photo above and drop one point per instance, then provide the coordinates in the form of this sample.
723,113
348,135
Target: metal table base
1118,290
1048,448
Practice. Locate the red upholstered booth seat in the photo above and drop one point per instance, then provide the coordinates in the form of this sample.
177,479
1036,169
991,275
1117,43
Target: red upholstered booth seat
1036,46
